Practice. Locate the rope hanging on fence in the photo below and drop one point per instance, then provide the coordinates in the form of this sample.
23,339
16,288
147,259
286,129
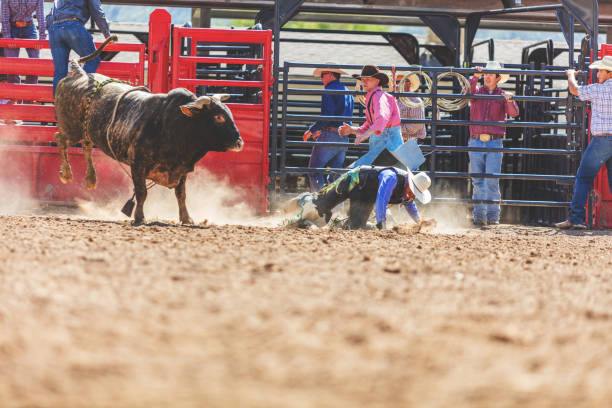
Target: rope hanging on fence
452,104
428,84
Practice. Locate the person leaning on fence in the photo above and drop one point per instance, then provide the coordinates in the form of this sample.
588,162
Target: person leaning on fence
366,187
599,150
327,131
67,32
413,108
383,121
18,22
488,136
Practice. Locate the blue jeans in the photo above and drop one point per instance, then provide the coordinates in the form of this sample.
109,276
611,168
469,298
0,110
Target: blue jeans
391,138
66,36
29,32
486,188
326,156
598,152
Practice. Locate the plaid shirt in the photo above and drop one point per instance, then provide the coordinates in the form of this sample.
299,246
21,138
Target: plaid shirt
22,10
600,96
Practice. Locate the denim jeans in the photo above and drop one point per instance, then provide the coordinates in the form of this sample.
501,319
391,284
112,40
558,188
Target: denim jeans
66,36
326,156
29,32
485,188
597,153
391,138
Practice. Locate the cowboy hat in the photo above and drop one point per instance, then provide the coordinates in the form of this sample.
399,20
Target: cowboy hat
317,72
604,63
415,82
419,184
372,71
494,65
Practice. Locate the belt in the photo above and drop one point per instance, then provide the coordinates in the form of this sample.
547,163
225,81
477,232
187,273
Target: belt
63,20
21,24
604,134
484,137
330,128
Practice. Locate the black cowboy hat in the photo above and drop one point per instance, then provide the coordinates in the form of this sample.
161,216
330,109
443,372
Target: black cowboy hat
374,72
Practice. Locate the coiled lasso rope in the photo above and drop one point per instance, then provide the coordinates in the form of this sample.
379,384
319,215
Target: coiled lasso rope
428,84
452,104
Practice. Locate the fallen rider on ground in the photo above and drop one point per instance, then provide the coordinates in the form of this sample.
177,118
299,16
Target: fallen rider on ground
366,187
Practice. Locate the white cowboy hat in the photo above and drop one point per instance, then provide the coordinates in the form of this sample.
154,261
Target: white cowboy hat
415,81
317,72
419,184
604,63
494,65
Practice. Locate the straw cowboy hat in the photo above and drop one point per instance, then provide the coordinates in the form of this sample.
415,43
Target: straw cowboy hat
372,71
415,81
604,63
317,72
494,65
419,184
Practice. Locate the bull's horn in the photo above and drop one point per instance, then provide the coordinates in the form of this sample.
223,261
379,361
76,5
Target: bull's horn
221,97
201,102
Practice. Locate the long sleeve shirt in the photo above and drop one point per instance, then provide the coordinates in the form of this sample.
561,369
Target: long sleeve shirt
22,10
382,112
412,130
491,110
387,183
600,96
82,10
334,105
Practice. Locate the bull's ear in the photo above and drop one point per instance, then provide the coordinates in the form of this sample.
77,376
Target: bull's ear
221,97
186,111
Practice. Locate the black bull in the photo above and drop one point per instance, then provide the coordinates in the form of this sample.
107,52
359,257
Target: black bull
159,136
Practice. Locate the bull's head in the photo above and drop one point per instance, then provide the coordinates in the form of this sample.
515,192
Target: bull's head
215,119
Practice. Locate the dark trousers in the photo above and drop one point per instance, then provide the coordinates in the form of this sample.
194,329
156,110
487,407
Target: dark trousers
360,187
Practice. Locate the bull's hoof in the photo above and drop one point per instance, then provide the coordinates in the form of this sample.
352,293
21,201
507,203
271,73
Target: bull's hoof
65,174
187,221
91,181
138,222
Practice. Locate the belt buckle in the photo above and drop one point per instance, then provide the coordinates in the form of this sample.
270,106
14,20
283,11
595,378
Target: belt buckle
21,24
484,137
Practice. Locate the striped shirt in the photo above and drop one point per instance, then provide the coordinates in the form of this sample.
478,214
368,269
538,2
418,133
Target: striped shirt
600,96
412,130
22,10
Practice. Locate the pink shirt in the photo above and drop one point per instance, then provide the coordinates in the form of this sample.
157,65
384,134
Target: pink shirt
384,111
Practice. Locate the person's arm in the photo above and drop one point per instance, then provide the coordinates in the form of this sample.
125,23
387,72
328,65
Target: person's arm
571,81
6,22
40,17
512,109
387,180
412,211
97,14
474,80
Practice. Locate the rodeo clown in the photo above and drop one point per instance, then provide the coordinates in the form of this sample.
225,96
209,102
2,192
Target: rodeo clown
366,187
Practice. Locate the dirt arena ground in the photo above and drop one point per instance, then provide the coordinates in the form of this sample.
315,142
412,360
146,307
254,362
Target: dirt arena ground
102,314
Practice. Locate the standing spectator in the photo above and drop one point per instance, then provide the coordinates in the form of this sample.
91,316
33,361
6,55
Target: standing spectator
17,22
599,150
327,131
488,136
67,32
383,121
411,107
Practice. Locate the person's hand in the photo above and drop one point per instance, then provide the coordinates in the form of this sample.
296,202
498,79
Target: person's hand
345,129
570,73
316,135
478,72
307,135
508,96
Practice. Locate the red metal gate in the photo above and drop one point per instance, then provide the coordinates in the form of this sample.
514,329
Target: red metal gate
27,152
247,170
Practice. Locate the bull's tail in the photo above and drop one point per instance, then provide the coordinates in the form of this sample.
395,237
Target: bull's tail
99,50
